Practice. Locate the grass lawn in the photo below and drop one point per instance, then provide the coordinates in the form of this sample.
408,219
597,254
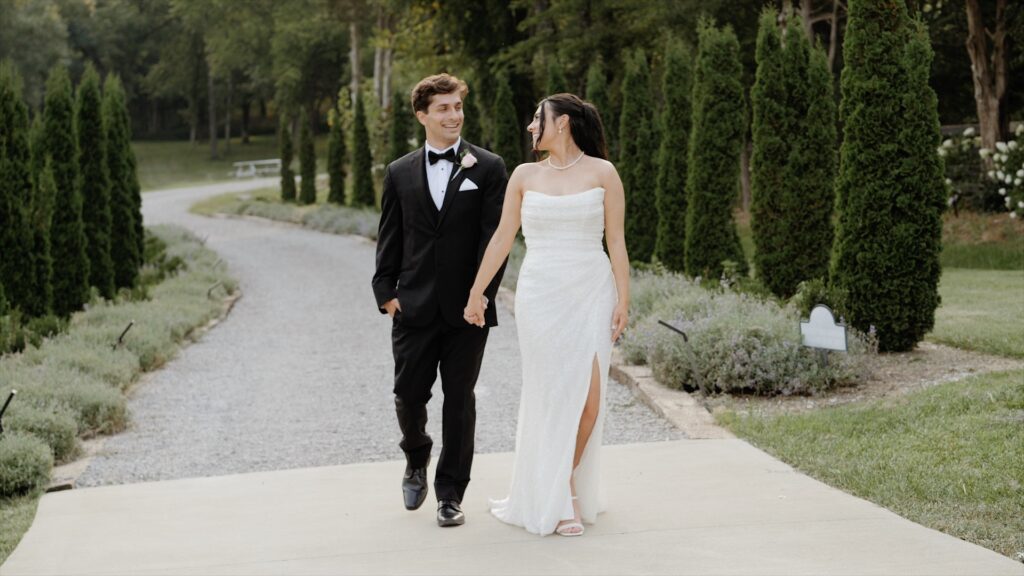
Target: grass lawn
176,164
16,515
981,310
950,457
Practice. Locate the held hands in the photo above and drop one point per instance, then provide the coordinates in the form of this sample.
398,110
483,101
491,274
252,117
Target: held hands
474,312
620,318
392,306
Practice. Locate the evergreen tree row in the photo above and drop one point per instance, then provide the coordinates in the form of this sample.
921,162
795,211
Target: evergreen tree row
63,210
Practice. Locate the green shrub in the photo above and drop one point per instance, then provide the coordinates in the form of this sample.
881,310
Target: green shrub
97,407
25,464
55,426
737,343
810,293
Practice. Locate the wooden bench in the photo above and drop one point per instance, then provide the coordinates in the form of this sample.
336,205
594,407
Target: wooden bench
253,168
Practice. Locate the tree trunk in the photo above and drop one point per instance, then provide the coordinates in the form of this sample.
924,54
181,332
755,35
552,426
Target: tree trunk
353,30
389,60
806,18
227,118
246,106
212,115
988,72
378,58
833,36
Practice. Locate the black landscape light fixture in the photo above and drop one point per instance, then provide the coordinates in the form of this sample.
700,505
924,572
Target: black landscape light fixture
120,339
4,409
693,357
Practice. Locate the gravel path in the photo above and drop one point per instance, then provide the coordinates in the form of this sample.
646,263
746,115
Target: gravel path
300,373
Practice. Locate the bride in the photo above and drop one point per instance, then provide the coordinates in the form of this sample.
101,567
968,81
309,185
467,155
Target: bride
571,305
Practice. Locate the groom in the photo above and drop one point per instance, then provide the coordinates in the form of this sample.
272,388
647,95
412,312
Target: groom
440,206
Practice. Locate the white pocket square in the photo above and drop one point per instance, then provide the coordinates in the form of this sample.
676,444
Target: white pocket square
468,184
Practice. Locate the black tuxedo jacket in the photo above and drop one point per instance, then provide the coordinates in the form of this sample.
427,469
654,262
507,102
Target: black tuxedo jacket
428,258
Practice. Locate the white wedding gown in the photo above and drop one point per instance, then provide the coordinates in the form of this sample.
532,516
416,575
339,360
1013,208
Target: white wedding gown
564,302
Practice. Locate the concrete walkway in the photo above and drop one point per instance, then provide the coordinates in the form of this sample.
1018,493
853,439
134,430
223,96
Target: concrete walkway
681,507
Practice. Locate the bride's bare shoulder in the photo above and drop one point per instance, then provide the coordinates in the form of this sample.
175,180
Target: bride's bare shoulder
526,168
602,166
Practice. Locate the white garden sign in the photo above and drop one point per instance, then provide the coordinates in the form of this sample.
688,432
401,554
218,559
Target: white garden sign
822,331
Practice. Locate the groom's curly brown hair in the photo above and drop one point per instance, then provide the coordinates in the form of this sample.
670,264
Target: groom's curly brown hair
427,88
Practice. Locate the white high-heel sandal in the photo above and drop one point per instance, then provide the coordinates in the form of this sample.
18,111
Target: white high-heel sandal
570,529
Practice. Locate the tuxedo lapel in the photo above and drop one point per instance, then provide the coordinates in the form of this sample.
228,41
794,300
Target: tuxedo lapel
458,175
419,171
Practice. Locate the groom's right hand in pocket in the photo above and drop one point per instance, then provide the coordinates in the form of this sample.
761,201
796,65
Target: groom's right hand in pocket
392,306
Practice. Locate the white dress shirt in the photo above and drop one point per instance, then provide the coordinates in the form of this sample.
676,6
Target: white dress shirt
439,172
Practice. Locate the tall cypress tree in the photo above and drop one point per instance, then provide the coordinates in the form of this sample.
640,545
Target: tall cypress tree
638,145
401,125
67,238
336,158
92,144
922,183
43,201
287,154
16,265
794,158
712,182
809,198
307,161
472,129
41,217
506,130
556,82
597,94
124,246
887,236
676,86
773,130
362,161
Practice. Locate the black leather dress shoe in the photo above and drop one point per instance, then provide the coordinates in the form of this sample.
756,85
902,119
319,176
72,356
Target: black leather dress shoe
414,487
449,513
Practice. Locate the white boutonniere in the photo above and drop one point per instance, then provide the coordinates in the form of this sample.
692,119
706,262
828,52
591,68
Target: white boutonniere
466,161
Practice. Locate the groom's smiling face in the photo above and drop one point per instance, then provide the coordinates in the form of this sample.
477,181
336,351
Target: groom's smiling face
442,119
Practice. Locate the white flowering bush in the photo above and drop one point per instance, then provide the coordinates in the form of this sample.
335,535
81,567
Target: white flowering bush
737,343
965,179
1008,171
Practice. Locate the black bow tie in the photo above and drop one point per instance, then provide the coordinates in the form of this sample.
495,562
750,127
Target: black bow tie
448,155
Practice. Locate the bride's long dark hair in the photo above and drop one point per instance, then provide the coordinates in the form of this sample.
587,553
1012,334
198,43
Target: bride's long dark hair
585,124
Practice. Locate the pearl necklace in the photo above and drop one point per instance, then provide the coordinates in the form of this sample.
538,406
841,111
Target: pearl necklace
569,165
